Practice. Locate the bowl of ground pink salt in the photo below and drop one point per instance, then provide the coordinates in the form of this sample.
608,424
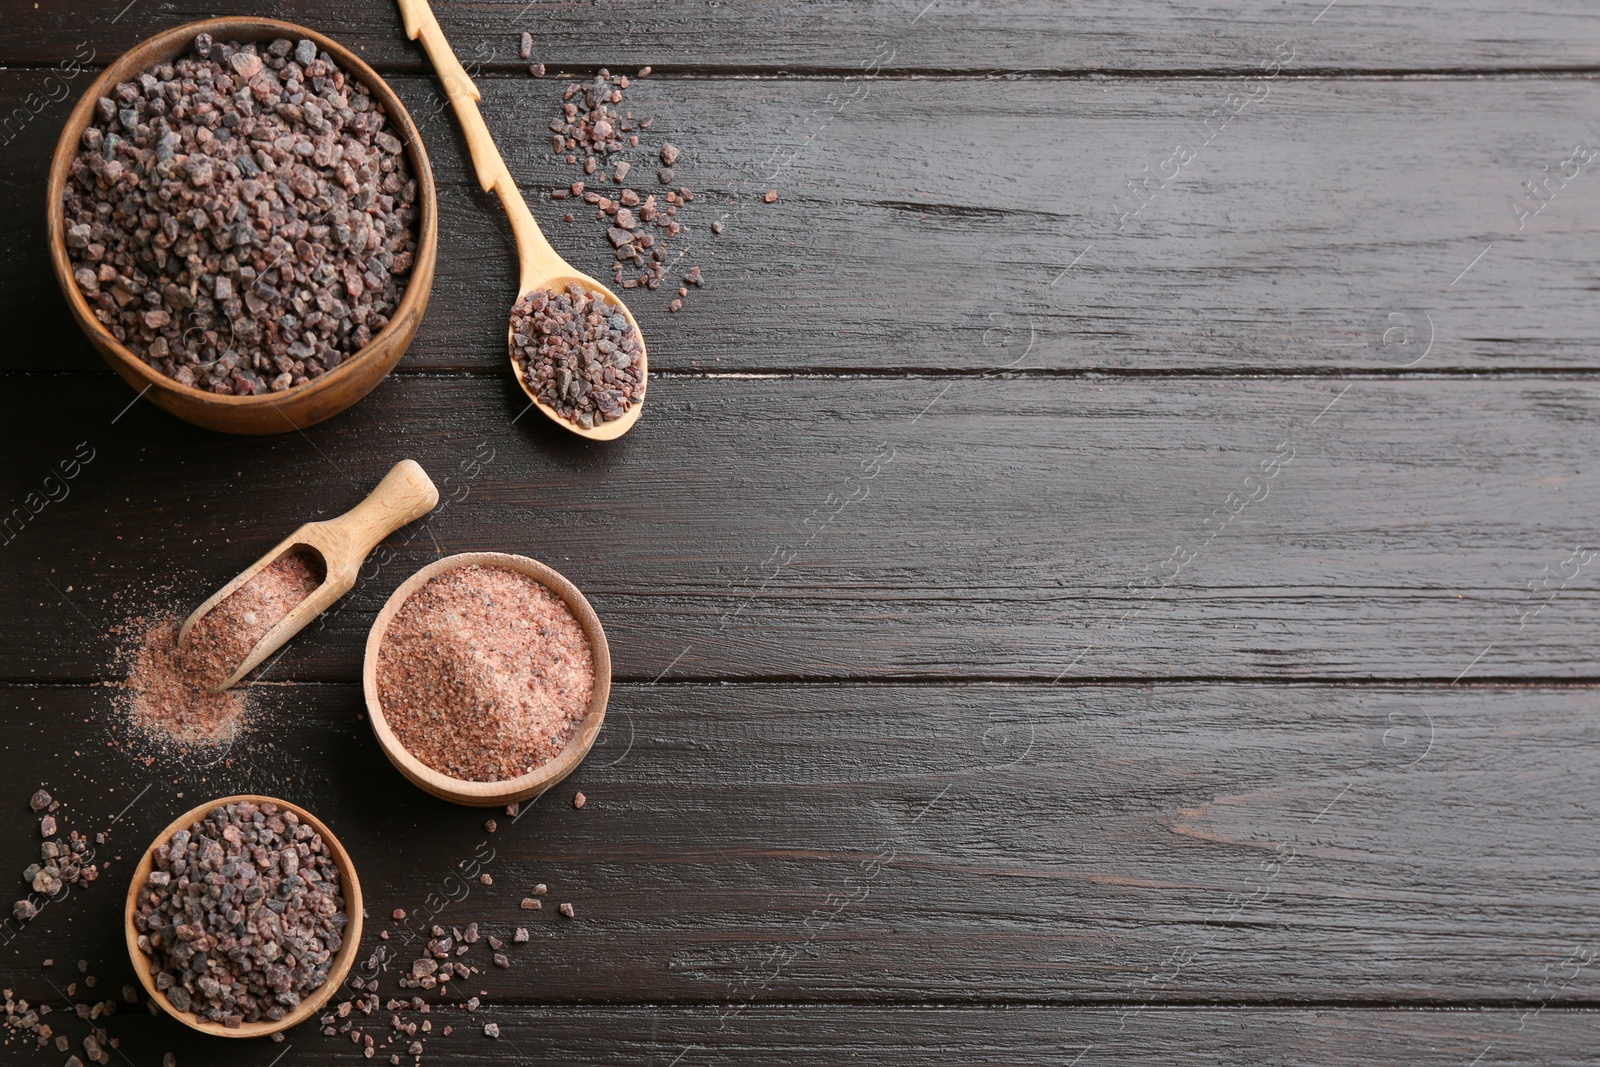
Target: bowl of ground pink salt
486,678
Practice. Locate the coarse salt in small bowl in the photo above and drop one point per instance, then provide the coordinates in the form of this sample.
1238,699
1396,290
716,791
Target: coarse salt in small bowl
338,969
542,777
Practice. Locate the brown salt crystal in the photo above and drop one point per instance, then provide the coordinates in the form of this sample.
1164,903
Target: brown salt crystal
484,674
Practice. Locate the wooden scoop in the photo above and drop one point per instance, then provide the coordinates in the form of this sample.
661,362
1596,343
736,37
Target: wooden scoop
406,493
541,266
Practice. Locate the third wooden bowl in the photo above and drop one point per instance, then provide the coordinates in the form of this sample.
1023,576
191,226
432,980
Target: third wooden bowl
536,781
340,967
303,405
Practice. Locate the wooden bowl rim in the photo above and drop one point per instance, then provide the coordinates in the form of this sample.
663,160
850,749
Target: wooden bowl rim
162,47
489,794
342,962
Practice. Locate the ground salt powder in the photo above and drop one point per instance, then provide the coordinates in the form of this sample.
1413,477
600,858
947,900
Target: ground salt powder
167,692
484,674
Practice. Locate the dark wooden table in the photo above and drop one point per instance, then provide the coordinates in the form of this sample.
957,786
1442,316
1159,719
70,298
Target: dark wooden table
1107,573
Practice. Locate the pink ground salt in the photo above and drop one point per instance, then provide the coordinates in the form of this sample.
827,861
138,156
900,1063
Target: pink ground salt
168,701
224,636
168,691
484,674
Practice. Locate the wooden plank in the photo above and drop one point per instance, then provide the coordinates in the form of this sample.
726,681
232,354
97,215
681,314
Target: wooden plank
928,746
978,226
810,528
703,1037
1126,845
970,36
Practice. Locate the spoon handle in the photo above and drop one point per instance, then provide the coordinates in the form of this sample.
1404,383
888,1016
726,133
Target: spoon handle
536,259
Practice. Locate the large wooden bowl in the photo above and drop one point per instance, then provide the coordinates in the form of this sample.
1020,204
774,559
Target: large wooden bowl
340,967
303,405
536,781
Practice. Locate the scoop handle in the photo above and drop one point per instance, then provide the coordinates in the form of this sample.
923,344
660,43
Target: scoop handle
536,259
406,493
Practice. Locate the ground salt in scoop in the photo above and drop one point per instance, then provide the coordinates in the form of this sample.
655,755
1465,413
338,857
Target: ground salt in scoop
484,674
223,637
169,691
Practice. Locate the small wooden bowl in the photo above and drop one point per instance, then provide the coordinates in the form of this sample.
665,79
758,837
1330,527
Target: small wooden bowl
340,967
303,405
492,794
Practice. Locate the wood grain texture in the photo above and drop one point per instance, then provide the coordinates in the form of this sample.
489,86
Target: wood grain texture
921,1035
1044,631
1361,226
835,36
965,844
1014,529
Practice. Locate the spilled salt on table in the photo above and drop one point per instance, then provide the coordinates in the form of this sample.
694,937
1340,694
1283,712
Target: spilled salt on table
167,693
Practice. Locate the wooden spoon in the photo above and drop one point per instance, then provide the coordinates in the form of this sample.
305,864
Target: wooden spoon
406,493
541,266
